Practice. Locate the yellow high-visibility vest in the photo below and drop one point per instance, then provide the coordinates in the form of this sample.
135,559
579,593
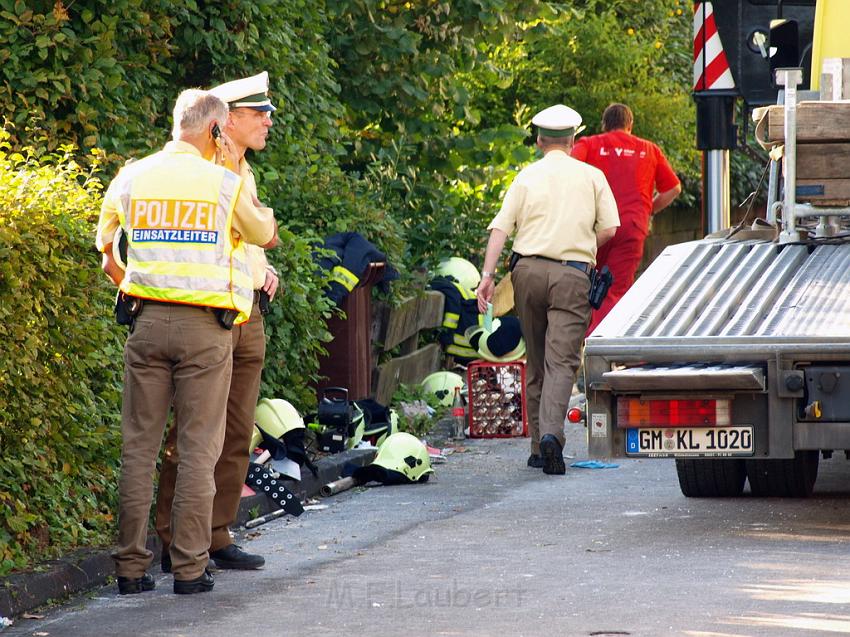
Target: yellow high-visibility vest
177,211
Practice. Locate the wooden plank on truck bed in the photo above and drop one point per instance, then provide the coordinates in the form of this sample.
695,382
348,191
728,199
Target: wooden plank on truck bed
824,192
816,122
406,369
414,314
823,161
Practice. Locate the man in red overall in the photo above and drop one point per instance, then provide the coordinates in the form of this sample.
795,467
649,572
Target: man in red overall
643,184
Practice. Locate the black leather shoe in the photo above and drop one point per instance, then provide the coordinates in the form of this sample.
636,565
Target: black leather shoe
535,461
553,455
165,562
201,584
132,585
232,556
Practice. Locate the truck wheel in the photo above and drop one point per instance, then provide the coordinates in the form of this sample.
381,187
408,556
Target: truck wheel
791,478
702,478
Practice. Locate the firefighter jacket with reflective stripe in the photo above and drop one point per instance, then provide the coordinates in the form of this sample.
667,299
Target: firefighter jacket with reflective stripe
176,209
353,255
460,313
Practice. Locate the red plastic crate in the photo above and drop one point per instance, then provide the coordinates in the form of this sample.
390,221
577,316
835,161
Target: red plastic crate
496,399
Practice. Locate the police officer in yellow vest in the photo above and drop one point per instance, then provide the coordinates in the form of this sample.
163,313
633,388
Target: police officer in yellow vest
187,221
247,126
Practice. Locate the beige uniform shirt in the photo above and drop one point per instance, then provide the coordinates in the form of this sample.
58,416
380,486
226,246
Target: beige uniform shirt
254,225
556,205
256,255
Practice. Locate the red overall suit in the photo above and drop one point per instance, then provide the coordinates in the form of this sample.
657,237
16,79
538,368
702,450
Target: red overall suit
635,169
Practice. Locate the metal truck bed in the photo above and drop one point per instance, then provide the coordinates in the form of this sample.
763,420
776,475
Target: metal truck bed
714,301
754,327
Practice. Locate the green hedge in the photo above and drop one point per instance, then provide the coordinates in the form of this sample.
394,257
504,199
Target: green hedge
60,362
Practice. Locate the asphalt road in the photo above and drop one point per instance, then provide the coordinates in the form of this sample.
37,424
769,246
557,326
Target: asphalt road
490,547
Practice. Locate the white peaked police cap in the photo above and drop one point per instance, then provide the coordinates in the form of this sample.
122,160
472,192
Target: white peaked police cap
249,92
557,121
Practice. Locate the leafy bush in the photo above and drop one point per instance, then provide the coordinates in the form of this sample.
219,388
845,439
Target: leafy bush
591,53
60,361
408,112
438,98
418,411
296,327
91,74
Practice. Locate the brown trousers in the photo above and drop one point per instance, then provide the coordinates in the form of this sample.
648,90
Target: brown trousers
551,302
176,355
249,350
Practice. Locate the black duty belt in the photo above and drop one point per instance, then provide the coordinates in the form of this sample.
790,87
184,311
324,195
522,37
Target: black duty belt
128,309
578,265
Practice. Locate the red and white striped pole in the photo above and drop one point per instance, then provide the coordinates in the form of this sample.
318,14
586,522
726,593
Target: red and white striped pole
711,68
715,94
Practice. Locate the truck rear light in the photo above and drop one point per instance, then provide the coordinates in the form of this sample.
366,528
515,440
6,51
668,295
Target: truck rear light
635,412
575,415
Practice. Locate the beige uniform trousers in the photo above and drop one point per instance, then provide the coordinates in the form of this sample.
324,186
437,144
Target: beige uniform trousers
551,302
249,351
180,355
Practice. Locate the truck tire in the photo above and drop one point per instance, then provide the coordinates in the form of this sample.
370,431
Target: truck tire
703,478
791,478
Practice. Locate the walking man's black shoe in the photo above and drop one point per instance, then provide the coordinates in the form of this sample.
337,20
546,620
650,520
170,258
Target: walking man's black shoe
232,556
201,584
553,455
165,561
535,461
132,585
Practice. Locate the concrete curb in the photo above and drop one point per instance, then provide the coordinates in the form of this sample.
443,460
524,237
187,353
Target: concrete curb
89,568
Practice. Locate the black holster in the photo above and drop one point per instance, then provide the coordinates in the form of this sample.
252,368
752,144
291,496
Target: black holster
264,303
515,256
127,308
225,318
600,283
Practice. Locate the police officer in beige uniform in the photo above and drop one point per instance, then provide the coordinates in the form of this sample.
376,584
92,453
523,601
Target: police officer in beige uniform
187,221
562,210
247,126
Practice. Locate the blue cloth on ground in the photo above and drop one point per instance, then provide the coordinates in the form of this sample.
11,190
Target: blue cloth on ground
594,464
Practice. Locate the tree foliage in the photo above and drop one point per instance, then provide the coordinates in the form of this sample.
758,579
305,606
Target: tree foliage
438,130
592,53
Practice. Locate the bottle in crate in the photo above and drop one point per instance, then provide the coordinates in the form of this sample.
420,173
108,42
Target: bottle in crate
458,415
496,400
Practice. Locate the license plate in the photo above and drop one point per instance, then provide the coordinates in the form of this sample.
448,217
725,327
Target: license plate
690,441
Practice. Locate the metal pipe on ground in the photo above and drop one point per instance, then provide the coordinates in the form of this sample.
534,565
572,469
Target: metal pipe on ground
274,515
338,486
